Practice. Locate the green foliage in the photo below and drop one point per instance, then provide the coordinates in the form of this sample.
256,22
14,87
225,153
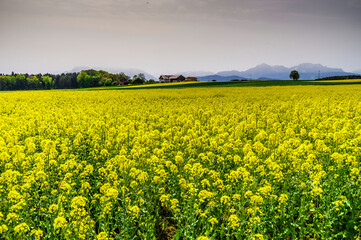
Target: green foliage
139,79
20,82
39,81
341,77
48,82
68,80
84,80
123,78
93,78
33,82
294,75
6,82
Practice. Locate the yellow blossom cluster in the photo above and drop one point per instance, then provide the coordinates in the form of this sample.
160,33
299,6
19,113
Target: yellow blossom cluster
192,163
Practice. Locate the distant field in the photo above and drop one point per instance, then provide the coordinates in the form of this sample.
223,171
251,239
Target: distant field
229,84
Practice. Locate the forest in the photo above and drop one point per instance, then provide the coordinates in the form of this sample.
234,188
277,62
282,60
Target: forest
86,78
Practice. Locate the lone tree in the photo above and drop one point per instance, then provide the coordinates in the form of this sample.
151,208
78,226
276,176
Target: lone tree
294,75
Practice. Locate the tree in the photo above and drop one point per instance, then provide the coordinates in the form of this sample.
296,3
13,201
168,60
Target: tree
123,79
48,82
7,82
142,77
84,80
33,82
139,79
107,81
20,81
294,75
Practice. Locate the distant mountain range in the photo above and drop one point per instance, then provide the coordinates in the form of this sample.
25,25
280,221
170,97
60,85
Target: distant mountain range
219,77
308,71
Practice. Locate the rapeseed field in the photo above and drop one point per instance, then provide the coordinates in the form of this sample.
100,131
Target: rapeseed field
196,163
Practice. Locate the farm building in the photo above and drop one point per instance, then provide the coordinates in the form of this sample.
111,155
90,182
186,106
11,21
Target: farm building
171,78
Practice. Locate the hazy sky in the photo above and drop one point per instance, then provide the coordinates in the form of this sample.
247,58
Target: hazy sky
167,36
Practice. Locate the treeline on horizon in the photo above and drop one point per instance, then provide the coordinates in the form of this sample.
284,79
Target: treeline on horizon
84,79
341,77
